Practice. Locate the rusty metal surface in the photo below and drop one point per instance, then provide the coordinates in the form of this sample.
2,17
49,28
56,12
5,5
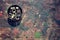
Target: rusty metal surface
38,16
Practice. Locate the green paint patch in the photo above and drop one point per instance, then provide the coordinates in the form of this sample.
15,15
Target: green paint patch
45,23
38,34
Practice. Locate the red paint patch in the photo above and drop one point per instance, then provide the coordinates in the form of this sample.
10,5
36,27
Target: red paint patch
1,13
15,31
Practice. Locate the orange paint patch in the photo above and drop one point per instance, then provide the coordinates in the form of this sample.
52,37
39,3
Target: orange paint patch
28,23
